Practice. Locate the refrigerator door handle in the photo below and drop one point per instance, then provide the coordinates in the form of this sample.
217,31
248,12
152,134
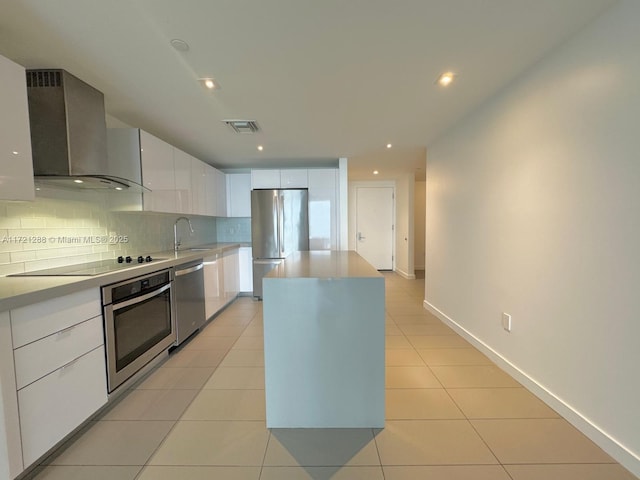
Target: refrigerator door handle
271,261
281,223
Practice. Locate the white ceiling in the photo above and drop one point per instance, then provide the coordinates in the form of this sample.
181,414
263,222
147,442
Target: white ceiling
323,78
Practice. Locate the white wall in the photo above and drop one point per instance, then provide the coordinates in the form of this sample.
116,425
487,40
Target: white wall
404,226
419,224
533,208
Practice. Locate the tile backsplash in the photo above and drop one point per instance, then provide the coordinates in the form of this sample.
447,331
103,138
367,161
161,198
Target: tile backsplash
64,227
236,229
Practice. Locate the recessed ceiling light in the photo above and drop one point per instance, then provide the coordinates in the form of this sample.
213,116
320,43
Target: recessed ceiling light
375,172
209,83
179,45
118,188
77,180
389,145
15,152
260,147
445,79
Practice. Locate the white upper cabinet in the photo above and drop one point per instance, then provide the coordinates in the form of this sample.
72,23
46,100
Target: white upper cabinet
276,178
323,209
211,196
177,182
294,178
198,189
182,175
221,194
157,174
238,194
265,178
16,163
208,190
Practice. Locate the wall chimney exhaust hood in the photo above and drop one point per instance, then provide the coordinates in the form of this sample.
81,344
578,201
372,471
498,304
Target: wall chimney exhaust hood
69,135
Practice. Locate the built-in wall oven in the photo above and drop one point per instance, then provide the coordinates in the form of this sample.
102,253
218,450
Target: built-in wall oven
139,323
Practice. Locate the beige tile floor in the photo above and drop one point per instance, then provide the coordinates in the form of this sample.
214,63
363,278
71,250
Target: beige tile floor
450,414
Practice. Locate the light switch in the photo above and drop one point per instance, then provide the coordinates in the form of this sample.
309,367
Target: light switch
506,321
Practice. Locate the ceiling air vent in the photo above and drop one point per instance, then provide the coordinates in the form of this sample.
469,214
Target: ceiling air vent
44,78
243,126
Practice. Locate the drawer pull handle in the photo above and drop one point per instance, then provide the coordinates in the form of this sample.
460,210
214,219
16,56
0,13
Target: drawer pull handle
69,364
66,330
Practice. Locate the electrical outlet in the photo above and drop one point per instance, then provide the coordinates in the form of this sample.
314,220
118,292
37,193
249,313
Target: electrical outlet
506,321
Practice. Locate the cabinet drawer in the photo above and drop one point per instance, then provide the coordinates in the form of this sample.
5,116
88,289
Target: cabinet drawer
245,275
39,320
37,359
55,405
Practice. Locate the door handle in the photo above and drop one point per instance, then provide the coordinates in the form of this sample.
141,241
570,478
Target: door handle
360,237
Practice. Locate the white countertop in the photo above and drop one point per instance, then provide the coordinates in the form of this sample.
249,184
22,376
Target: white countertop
324,264
17,292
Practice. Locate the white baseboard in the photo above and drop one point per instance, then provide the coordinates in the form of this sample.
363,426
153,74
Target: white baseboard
609,444
405,274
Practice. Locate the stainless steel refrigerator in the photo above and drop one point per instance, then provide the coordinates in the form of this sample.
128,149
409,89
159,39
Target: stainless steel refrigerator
279,226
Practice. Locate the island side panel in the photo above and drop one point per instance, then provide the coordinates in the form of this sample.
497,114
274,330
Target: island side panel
324,352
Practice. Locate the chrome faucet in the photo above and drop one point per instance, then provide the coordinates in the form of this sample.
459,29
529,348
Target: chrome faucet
176,243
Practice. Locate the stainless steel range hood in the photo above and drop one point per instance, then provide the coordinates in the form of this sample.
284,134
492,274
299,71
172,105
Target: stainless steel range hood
69,135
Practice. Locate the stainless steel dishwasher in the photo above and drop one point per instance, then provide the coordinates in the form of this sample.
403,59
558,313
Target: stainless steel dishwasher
189,299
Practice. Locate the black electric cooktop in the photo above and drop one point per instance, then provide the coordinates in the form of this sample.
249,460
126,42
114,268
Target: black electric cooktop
89,269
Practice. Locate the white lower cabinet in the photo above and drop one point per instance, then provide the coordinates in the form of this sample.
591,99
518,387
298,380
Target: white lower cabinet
231,281
221,280
55,405
60,371
10,446
213,285
245,261
35,360
39,320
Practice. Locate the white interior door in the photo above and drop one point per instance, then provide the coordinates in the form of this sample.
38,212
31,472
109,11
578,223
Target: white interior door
374,226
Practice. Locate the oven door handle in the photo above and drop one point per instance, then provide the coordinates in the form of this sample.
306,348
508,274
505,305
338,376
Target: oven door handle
142,298
188,270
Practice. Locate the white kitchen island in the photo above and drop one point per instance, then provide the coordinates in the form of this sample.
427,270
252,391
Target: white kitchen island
324,342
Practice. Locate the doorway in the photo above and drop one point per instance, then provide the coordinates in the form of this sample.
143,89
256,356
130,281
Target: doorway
374,224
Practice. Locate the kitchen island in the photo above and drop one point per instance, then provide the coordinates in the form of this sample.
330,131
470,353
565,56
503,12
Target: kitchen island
324,342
